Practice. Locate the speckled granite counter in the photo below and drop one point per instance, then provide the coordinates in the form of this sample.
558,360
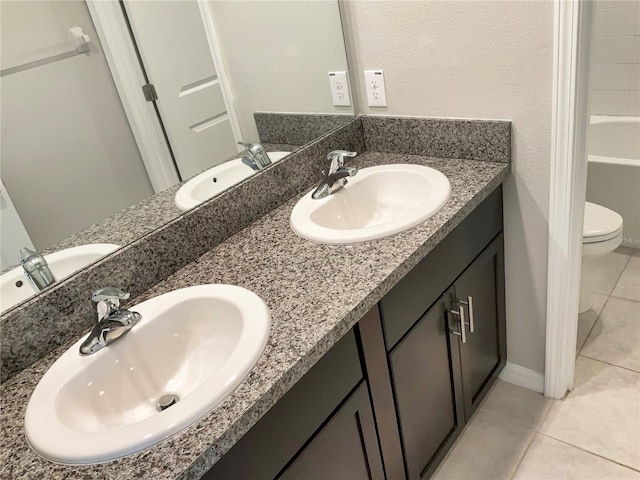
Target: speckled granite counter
316,293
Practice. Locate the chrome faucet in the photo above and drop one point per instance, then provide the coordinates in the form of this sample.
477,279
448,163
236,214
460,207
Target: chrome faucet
36,269
113,322
336,176
257,158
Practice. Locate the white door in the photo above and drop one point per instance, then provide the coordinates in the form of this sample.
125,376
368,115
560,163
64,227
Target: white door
175,52
13,235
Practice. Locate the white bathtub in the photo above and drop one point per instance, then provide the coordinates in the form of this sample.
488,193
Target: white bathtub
613,178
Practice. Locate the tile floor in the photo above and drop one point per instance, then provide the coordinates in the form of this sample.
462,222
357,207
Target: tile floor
594,433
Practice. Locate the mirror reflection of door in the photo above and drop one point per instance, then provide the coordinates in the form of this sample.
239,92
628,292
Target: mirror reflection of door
81,144
67,149
69,158
175,54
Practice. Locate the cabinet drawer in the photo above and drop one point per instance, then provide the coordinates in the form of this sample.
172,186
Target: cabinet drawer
265,450
420,288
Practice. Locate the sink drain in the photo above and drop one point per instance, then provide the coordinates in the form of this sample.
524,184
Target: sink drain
166,401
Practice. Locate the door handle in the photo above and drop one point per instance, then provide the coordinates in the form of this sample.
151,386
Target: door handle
460,314
469,304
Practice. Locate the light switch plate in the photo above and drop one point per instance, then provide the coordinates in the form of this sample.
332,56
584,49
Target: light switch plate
340,89
376,93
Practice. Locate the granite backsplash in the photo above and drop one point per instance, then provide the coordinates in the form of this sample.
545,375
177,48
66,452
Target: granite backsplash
34,329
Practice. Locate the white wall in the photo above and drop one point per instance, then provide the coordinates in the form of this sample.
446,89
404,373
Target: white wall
278,55
480,59
615,58
68,155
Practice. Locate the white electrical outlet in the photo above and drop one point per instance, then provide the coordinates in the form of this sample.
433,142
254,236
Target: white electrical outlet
374,83
340,89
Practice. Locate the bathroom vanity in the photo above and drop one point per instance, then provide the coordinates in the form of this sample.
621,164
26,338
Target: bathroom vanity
406,378
366,370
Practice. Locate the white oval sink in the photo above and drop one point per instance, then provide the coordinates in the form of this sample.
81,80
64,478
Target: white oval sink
215,180
197,343
14,287
377,202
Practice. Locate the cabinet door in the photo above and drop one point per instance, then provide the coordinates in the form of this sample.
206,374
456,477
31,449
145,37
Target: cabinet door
345,448
484,353
423,380
287,427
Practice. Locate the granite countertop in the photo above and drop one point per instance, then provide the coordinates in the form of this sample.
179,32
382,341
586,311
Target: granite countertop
315,293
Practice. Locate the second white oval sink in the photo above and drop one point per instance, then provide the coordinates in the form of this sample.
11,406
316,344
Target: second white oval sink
14,287
377,202
196,343
216,180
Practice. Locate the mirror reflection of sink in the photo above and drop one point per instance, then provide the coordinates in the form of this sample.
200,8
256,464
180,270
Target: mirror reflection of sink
216,180
377,202
14,287
190,350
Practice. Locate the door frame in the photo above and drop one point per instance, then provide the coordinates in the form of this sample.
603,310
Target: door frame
218,62
128,77
570,116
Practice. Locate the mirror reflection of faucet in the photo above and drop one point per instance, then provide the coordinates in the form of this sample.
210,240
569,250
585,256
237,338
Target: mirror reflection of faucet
36,269
335,177
257,157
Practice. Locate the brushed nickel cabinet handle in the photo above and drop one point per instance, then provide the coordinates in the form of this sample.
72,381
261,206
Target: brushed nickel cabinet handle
469,304
460,314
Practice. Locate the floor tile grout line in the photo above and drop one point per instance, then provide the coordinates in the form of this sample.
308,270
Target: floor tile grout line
524,454
586,338
621,272
608,295
589,452
598,318
531,430
623,298
539,421
546,413
610,364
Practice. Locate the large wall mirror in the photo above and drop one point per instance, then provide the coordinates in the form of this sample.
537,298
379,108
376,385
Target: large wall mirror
90,156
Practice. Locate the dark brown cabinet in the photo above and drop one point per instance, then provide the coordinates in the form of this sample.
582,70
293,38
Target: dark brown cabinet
483,351
346,448
444,335
423,387
323,428
438,372
390,398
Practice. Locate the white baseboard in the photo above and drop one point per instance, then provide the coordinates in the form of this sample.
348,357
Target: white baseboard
523,377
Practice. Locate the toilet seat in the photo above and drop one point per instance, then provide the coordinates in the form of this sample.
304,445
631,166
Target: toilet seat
602,232
600,224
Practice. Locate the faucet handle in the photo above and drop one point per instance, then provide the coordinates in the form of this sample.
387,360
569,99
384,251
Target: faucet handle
336,157
109,293
246,145
252,148
107,300
258,154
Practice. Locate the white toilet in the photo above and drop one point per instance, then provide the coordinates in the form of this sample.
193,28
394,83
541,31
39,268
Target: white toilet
602,234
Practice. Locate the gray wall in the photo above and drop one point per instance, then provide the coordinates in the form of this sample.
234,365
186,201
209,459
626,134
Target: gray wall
481,59
278,55
68,155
